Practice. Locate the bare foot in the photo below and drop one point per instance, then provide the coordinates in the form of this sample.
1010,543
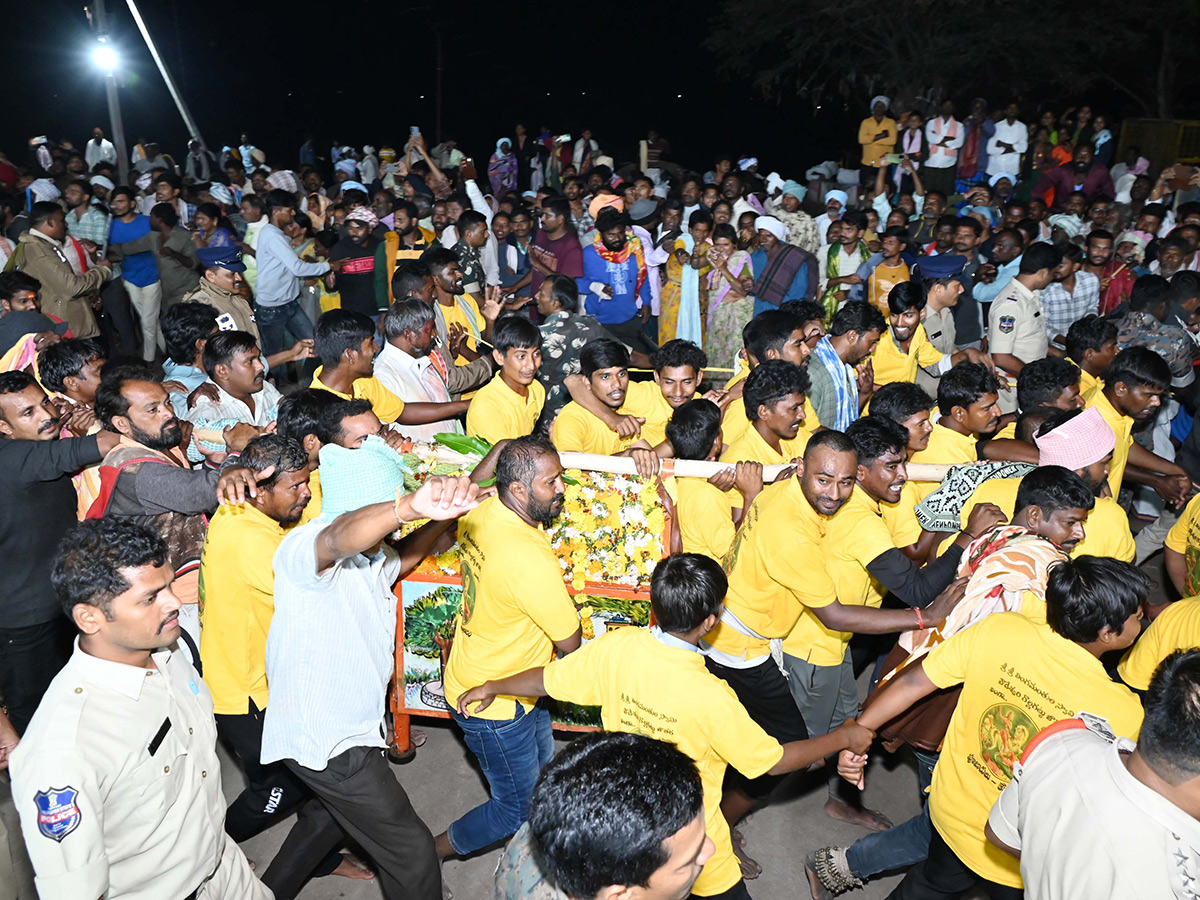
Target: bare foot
870,819
417,737
353,867
750,868
814,885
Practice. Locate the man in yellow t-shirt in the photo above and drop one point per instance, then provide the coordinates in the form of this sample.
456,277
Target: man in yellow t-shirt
654,682
786,333
515,614
1181,552
1082,442
345,344
1176,628
909,406
237,602
1134,387
1017,677
905,346
774,397
968,407
862,559
508,406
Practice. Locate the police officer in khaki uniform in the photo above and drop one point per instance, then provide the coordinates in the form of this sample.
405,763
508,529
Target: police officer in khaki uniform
221,280
940,277
1016,324
117,780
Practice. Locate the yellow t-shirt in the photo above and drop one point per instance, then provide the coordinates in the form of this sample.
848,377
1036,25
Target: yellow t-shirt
1184,537
645,686
387,406
946,447
514,609
578,430
901,516
1087,381
237,602
498,412
705,524
454,314
1017,677
753,447
734,423
891,364
854,537
881,281
1008,432
1176,628
314,504
645,400
771,573
1122,427
1106,530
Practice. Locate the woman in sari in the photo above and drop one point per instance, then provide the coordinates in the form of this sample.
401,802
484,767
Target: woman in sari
502,169
680,311
213,228
730,305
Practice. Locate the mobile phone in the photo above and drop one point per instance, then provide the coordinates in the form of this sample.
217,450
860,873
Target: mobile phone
414,130
893,158
563,138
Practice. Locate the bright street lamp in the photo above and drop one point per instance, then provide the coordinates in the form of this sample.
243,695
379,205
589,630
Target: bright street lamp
105,58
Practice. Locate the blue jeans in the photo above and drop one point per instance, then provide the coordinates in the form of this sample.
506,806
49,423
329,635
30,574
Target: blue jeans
511,753
902,846
274,323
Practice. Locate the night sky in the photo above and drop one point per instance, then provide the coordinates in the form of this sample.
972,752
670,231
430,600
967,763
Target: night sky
363,71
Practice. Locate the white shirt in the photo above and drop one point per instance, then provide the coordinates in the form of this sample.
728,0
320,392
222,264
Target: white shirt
102,152
1088,830
943,157
266,407
415,380
346,618
1016,134
115,802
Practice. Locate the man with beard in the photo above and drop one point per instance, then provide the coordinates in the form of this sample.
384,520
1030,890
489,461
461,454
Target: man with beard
581,220
906,346
968,316
1173,252
118,778
234,365
615,285
39,508
85,221
841,369
147,478
406,241
355,280
463,319
513,618
237,590
405,367
1083,174
1098,250
556,248
863,561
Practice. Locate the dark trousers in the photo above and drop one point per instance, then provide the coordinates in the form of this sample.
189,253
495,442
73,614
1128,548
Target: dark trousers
117,327
30,657
358,787
764,692
271,795
633,334
943,876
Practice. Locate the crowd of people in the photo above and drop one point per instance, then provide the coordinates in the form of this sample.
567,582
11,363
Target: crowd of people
952,391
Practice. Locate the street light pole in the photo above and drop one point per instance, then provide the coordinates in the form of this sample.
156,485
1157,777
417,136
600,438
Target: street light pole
114,102
193,129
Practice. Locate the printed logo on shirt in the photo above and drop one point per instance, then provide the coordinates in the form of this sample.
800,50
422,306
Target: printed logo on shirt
58,814
1007,323
225,323
359,266
1004,730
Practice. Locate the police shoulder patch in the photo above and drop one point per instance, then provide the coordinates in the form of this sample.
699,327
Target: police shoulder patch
1007,323
57,812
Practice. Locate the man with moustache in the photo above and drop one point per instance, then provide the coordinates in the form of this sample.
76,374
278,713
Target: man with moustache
147,477
117,780
1083,173
233,363
39,508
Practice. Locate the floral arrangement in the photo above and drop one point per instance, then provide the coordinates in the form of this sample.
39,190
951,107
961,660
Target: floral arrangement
611,531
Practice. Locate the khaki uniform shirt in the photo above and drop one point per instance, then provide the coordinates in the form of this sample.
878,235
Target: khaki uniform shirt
233,312
939,327
118,786
1017,325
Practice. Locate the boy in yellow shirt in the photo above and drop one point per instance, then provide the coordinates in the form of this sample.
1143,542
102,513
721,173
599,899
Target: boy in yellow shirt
905,346
702,514
345,343
1176,628
508,406
968,403
1017,677
1092,346
909,406
654,682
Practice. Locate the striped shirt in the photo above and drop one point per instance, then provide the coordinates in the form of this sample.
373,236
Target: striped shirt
1062,310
